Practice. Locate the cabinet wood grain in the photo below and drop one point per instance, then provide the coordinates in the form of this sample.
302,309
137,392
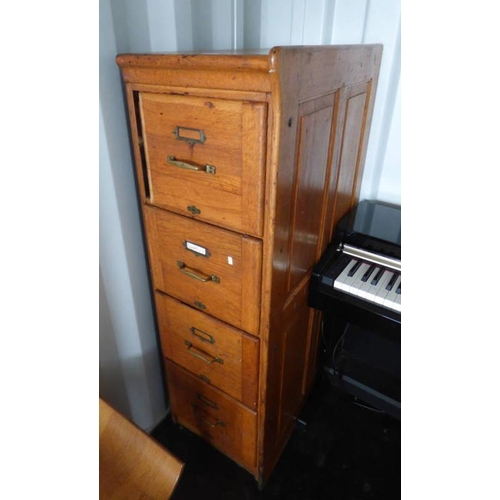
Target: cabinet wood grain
221,420
244,164
218,353
212,269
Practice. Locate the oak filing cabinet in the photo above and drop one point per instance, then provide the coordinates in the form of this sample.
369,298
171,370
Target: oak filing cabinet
244,164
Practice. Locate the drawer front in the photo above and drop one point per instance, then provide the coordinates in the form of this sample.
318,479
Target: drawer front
224,140
217,353
215,270
221,420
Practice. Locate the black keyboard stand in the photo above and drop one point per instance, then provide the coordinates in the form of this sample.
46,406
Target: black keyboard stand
363,362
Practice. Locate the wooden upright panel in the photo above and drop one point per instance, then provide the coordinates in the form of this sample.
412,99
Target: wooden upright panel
308,138
313,144
244,164
353,109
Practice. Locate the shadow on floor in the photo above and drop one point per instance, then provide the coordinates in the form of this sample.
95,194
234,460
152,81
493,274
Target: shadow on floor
343,451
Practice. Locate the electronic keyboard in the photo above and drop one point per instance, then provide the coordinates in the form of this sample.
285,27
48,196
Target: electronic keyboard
362,264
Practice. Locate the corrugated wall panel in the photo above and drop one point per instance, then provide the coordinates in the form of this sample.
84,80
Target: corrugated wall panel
304,22
383,26
349,21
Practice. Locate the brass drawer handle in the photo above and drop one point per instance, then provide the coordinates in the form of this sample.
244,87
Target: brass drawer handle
214,424
192,274
208,169
203,418
209,359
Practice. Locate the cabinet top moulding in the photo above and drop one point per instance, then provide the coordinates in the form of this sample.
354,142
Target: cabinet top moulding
250,69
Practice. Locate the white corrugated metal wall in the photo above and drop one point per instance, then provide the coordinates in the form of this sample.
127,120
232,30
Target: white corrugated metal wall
130,376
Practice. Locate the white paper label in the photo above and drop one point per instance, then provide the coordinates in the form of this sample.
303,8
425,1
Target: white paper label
196,248
229,260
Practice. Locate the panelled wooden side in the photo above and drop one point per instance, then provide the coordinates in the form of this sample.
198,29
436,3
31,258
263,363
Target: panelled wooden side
354,107
319,141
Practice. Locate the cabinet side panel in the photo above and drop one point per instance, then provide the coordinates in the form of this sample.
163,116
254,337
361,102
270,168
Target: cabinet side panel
296,320
318,142
300,216
353,115
309,189
312,351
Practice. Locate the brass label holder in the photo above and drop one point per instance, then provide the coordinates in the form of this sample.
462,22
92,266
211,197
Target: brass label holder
190,135
196,249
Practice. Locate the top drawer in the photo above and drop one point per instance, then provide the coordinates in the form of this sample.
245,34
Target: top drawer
205,158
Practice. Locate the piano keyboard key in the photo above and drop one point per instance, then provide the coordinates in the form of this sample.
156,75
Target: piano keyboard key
392,282
397,304
348,279
380,296
367,287
347,284
383,289
354,284
372,292
390,298
377,277
368,273
354,268
343,275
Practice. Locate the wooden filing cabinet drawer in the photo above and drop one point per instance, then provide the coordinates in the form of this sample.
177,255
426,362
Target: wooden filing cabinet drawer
212,269
214,351
224,139
223,421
